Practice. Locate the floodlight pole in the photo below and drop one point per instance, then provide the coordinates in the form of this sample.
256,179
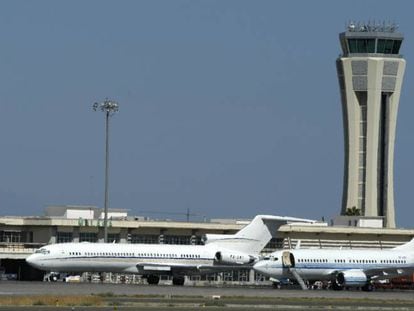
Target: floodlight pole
110,108
106,177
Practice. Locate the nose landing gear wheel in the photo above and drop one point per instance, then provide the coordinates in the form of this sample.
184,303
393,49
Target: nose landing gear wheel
153,279
178,280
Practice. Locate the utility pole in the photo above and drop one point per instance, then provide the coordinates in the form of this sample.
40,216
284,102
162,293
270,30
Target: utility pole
109,107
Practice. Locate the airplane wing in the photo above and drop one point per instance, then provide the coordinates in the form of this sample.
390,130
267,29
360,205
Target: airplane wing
182,269
386,273
377,274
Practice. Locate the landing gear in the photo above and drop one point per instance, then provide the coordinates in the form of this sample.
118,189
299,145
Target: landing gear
178,280
153,279
51,277
336,286
367,287
276,285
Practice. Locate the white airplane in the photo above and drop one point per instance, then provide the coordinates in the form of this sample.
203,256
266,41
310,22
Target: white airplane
220,253
344,268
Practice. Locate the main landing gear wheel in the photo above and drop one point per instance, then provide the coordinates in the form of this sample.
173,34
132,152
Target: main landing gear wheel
367,287
153,279
336,286
178,280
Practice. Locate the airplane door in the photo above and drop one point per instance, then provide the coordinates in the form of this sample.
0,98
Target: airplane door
288,260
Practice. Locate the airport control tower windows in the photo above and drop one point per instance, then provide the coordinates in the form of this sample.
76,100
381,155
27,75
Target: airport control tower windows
361,45
388,46
383,46
396,47
371,38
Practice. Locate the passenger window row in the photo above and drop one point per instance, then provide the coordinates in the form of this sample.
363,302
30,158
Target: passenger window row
133,255
363,261
312,260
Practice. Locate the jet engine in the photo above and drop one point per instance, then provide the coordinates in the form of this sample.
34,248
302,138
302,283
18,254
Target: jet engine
351,278
233,258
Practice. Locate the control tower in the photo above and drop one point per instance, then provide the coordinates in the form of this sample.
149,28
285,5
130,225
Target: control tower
370,73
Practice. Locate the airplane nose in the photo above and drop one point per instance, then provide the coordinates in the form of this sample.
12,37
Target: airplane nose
260,267
31,260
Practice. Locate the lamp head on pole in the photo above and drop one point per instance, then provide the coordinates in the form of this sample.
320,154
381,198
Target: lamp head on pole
107,105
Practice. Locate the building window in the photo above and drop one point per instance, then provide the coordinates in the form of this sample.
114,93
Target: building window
64,237
228,276
361,159
177,239
274,243
196,240
241,275
361,174
144,239
11,237
362,142
88,237
113,237
362,150
361,190
362,129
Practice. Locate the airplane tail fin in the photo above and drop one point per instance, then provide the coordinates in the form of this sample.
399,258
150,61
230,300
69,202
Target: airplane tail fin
254,237
405,247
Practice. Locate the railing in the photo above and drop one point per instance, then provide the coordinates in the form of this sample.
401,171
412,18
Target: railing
19,248
336,244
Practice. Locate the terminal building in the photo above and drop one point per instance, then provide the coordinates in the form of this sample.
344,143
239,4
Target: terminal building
20,236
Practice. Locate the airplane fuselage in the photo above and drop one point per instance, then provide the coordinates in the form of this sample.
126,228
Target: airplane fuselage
220,253
323,264
106,257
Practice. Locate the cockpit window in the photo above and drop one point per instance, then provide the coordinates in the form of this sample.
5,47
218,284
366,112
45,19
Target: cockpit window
43,251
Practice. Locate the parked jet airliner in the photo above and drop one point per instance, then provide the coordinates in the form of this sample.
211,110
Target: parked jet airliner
344,268
220,253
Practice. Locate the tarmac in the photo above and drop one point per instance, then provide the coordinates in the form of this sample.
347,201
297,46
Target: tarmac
167,297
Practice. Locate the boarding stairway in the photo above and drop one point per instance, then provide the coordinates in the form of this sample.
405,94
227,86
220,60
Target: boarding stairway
298,278
288,261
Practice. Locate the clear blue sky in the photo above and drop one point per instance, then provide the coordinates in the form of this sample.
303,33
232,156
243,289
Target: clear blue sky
229,108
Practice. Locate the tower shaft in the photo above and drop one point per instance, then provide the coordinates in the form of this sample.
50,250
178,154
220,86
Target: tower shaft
370,74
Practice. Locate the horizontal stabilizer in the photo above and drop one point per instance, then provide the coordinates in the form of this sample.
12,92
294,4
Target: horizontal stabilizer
254,237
